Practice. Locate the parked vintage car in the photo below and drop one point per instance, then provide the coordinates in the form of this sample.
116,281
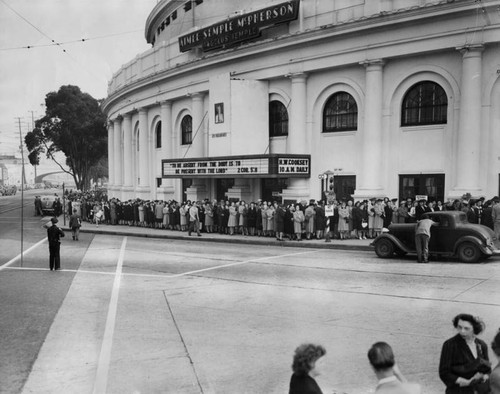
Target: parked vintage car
454,237
48,204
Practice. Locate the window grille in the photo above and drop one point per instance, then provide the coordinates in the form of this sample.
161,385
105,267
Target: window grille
340,113
158,135
278,119
425,103
187,130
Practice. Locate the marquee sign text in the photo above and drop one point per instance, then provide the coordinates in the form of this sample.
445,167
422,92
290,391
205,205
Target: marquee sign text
240,28
260,166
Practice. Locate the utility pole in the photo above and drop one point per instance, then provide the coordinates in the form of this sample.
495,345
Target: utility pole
33,128
23,182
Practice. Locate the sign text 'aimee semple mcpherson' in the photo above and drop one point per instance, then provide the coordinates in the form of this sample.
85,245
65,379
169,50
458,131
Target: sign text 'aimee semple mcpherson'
240,28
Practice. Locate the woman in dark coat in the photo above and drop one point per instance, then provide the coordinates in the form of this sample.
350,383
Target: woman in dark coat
320,220
464,365
306,366
280,222
252,218
357,219
289,222
177,216
258,220
171,216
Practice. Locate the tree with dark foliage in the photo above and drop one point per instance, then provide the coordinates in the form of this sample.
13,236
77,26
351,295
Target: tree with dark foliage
74,125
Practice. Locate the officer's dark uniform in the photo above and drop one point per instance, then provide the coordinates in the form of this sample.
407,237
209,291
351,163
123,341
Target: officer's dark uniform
54,234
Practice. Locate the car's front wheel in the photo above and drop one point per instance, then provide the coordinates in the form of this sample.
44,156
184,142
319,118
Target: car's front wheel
384,248
469,253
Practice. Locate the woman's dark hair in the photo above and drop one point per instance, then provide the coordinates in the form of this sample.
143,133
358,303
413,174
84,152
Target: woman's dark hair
495,345
305,357
381,356
477,324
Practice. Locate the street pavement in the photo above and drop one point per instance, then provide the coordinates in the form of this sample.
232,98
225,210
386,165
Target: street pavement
157,311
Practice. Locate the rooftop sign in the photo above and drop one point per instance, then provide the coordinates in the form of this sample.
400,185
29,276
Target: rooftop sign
239,28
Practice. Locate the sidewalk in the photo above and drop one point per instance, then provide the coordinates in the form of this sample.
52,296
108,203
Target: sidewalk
348,244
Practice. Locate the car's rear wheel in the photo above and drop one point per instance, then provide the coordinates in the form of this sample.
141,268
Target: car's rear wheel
384,248
469,253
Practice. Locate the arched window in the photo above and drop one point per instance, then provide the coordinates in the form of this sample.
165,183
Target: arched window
425,103
278,119
340,113
187,130
158,135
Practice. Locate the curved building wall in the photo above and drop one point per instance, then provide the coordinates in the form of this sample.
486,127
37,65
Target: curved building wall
375,51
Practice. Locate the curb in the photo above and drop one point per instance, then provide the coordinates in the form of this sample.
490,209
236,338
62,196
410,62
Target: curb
235,240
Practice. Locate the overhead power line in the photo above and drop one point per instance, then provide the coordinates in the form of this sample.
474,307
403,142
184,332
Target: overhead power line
32,25
70,42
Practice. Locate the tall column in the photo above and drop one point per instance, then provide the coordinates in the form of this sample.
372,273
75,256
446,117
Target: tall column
198,145
167,185
111,154
166,128
117,154
467,161
127,152
296,143
198,190
143,148
370,172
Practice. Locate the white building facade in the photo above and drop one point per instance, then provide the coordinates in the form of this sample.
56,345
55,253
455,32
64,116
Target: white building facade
394,98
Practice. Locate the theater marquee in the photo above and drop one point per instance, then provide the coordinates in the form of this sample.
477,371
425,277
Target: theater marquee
253,166
240,28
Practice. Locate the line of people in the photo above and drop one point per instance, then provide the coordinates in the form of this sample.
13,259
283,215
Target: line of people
305,220
464,365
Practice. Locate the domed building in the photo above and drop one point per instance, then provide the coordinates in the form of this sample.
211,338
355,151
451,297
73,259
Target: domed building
287,100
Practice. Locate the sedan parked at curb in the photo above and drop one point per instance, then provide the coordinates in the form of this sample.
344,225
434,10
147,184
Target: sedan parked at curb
454,236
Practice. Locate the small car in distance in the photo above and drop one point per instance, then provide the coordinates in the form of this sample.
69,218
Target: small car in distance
454,236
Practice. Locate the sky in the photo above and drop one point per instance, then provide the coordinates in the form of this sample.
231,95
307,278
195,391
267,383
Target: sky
114,34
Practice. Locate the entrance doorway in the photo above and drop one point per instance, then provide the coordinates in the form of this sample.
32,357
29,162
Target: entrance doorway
271,188
430,185
185,184
344,186
222,186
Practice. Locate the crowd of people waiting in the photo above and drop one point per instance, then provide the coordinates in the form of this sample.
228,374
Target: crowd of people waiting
305,220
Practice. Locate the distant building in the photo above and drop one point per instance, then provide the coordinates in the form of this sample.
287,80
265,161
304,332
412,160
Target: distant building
12,171
279,99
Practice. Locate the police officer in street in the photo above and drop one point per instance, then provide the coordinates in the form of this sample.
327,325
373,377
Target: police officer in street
54,234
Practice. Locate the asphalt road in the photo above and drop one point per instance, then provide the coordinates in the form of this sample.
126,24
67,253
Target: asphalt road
140,315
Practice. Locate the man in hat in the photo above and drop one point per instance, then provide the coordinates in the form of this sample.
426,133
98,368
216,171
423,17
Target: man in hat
54,234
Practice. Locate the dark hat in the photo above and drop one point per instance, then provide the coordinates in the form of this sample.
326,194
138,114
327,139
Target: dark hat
54,220
394,200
